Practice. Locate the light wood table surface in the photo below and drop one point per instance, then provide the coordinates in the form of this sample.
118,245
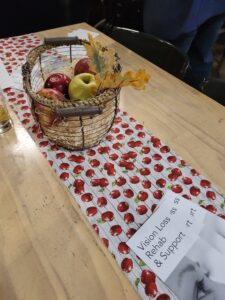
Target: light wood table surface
48,249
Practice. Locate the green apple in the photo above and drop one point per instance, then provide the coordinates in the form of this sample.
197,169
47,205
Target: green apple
82,86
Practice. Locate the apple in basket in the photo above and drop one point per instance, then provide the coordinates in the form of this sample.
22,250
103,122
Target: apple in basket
59,82
44,113
51,94
82,86
82,66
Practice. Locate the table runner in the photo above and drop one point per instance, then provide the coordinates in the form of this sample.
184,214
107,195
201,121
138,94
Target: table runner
119,183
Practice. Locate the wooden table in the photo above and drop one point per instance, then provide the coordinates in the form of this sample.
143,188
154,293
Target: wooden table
48,249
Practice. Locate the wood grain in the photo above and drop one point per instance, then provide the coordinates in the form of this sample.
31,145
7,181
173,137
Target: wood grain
48,250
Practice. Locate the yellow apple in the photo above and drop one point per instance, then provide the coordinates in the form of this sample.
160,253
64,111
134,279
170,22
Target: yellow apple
82,86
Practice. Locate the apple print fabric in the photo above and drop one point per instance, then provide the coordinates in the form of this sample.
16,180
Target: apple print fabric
119,183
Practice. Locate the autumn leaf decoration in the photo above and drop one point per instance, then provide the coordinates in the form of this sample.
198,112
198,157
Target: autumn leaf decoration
103,61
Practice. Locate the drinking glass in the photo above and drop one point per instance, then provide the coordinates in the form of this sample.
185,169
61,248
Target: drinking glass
5,119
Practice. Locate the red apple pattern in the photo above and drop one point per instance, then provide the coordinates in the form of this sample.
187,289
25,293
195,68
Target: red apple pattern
119,183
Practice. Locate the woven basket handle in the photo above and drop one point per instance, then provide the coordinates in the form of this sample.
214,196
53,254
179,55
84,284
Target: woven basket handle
58,41
79,111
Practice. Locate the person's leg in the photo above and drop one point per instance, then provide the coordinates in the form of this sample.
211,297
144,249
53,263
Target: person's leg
200,52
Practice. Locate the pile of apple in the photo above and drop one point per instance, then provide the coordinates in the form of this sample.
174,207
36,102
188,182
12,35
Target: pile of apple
60,87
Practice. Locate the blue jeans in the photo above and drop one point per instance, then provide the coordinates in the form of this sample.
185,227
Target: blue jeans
198,46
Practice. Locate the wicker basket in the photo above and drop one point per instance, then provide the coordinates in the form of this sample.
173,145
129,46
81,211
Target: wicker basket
78,125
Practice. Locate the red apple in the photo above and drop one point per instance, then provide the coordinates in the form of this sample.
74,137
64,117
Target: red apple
107,216
103,150
117,146
145,150
134,179
171,159
123,248
117,120
146,160
128,218
64,166
195,191
205,183
147,276
115,130
176,188
163,297
172,177
187,180
128,193
145,171
87,197
79,186
158,168
125,156
141,209
64,176
127,265
211,195
102,201
130,232
60,155
59,82
120,137
153,207
120,181
113,156
83,66
211,208
78,169
115,194
142,196
158,194
176,172
151,289
194,172
91,152
164,149
96,229
116,230
124,125
91,211
103,182
51,94
90,173
157,156
141,134
44,114
132,154
161,182
146,184
105,242
139,127
129,131
186,197
94,163
123,206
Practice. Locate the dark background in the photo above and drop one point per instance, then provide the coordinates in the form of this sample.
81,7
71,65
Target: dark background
25,16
